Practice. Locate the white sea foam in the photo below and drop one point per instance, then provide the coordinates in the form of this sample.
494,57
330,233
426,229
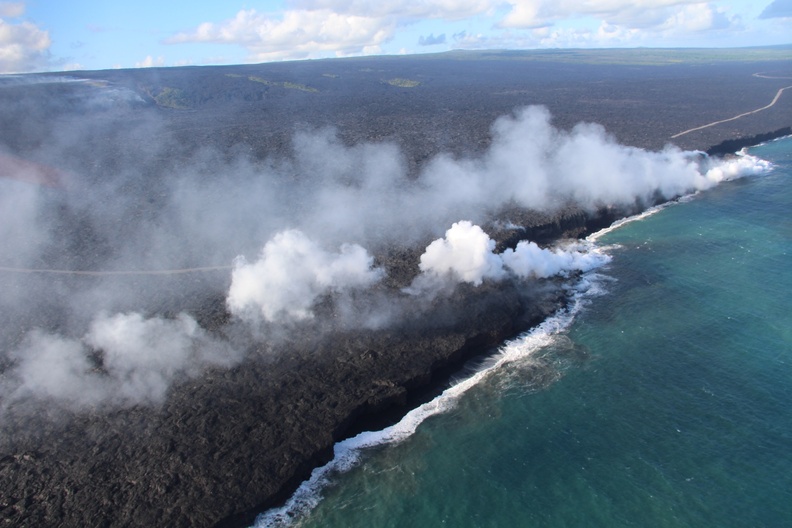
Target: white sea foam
347,453
742,165
593,237
744,150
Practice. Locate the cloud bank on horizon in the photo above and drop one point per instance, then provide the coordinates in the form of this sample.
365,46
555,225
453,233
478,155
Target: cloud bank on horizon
86,34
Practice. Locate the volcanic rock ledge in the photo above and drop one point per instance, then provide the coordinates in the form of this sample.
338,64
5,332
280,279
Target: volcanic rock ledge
234,442
390,373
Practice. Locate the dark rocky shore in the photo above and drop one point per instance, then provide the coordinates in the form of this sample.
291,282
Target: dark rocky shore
232,442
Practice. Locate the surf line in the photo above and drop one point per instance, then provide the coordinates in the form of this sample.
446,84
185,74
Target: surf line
763,76
773,102
347,453
119,272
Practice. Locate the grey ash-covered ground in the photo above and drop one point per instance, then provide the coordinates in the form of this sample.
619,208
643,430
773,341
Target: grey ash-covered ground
234,439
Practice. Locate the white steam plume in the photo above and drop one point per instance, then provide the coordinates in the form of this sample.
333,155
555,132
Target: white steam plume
466,254
135,206
529,260
534,165
291,273
736,167
124,359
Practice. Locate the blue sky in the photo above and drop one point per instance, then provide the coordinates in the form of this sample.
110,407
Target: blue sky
57,35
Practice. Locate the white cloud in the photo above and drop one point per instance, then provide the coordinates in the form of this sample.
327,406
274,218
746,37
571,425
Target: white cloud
324,28
526,15
654,16
12,9
24,46
538,13
367,50
150,62
550,37
443,9
616,35
297,34
696,17
321,28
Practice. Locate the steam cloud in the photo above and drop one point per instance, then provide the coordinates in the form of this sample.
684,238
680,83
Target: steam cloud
291,273
529,260
466,254
155,213
124,359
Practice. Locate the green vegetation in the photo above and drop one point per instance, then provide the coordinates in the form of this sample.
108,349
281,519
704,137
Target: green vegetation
262,81
403,83
301,87
285,84
171,98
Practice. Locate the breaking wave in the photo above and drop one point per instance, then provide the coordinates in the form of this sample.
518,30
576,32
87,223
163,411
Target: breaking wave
347,453
588,285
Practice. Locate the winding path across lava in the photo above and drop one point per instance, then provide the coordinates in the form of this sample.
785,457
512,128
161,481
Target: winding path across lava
100,273
773,102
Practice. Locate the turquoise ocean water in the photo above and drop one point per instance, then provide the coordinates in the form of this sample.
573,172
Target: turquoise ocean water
666,403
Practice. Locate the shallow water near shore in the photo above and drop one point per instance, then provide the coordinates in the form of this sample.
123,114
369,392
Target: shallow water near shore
665,402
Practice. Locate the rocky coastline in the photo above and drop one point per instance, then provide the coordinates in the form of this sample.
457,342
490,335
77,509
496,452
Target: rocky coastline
427,363
232,442
228,445
407,385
